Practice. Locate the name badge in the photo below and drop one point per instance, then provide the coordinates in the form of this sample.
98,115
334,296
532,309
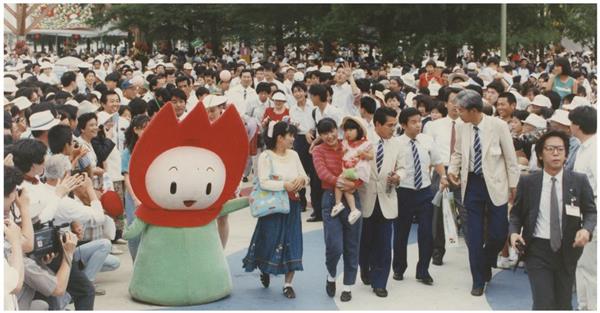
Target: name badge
573,210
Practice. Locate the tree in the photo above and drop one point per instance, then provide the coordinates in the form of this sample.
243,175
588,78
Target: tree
402,31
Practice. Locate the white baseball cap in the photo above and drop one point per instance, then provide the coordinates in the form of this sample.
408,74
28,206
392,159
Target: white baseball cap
211,101
45,65
298,76
561,117
542,101
325,69
43,120
409,80
84,65
72,102
97,94
395,72
472,66
103,117
536,121
359,73
279,96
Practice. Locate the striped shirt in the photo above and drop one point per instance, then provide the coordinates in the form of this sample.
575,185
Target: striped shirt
328,164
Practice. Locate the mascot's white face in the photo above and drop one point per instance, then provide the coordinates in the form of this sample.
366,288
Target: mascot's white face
186,178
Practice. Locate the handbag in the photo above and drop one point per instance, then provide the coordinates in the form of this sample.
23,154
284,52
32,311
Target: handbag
449,222
266,202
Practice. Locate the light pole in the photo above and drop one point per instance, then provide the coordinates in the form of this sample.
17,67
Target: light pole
503,31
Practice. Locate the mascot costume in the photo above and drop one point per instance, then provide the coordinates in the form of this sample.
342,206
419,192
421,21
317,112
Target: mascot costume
184,173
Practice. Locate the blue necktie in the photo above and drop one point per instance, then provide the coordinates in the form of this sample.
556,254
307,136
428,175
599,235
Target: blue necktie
477,148
417,164
379,157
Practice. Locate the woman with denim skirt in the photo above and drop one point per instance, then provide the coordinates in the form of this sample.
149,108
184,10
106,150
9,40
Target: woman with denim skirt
276,245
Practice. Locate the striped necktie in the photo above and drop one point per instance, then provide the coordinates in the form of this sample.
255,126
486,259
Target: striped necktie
379,157
555,230
477,147
417,164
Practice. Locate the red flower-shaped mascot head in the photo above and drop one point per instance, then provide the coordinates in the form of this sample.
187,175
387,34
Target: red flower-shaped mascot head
184,172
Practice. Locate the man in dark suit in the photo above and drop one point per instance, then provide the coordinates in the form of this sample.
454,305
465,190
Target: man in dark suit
556,212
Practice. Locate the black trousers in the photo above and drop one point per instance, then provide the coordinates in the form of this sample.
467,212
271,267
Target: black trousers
550,278
375,254
80,288
316,192
439,237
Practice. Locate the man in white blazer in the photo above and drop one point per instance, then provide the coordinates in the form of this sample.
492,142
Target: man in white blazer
485,159
380,204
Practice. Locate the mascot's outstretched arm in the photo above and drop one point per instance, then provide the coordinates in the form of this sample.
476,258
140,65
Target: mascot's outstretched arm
135,229
234,205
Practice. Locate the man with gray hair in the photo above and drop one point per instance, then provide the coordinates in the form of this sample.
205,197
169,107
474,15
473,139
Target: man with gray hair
94,254
485,159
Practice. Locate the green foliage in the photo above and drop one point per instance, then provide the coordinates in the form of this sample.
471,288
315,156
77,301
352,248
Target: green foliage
401,31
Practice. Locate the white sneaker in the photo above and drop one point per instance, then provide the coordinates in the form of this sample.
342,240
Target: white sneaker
115,250
121,241
337,209
354,216
512,254
504,262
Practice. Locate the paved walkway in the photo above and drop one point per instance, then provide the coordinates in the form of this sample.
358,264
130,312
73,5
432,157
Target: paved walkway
508,290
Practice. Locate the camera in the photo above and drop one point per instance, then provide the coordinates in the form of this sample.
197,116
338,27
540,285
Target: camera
46,238
76,172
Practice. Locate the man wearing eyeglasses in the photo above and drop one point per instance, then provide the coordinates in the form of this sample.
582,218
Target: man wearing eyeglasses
485,158
552,219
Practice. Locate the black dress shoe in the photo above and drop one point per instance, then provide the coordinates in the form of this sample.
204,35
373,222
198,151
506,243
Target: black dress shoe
427,280
365,278
437,261
346,296
289,293
265,279
330,288
314,219
398,276
380,292
477,291
245,179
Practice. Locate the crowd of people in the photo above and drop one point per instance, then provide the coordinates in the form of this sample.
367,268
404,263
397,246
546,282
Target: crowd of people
366,145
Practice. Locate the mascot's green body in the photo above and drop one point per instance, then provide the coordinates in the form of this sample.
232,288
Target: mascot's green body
183,173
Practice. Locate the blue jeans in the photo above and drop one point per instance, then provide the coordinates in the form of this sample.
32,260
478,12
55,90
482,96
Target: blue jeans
483,258
96,257
130,208
341,238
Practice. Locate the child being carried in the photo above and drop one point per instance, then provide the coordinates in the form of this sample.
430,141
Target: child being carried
358,151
